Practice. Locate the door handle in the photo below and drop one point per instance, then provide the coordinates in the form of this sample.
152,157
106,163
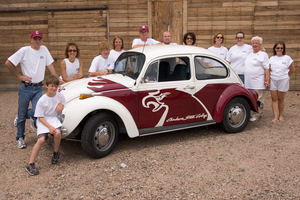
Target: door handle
188,87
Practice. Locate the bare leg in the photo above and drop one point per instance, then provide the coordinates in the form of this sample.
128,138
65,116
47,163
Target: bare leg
281,96
57,139
36,148
274,95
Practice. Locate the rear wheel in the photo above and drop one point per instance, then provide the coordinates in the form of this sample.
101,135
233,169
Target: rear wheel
99,135
236,115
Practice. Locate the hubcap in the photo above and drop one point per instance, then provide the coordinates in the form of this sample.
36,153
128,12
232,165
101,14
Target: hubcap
102,136
237,115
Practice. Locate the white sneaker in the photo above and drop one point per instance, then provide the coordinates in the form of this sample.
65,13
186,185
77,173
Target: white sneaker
15,121
21,143
252,119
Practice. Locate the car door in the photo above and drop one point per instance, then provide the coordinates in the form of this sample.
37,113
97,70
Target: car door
165,95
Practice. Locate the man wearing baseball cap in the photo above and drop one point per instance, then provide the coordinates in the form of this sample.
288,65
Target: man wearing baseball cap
33,61
144,40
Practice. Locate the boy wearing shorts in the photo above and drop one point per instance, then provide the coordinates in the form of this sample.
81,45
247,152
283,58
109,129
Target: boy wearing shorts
47,108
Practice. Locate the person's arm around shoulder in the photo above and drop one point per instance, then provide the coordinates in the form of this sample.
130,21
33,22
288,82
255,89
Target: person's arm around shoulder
13,70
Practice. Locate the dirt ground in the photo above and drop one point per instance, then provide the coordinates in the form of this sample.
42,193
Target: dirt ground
262,162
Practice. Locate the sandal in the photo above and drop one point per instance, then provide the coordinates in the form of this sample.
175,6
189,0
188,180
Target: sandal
274,120
281,119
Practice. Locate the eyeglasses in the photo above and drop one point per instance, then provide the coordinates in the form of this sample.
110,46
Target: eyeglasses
189,38
144,31
105,50
239,38
219,37
72,50
279,48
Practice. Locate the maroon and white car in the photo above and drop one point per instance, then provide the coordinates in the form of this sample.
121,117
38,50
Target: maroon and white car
155,89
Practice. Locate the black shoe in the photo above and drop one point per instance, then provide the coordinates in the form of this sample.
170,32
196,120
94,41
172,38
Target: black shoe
55,158
30,168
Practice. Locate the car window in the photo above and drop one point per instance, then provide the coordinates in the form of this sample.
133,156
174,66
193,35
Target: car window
130,64
209,68
168,69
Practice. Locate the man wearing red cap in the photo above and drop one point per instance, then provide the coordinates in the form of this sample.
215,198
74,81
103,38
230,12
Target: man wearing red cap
33,61
144,40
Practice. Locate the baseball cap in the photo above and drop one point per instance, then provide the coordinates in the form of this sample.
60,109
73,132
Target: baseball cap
144,27
36,34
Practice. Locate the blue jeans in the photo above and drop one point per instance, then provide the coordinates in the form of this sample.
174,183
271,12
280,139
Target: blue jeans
26,94
242,77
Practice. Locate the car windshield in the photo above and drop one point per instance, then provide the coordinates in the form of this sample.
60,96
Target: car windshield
130,64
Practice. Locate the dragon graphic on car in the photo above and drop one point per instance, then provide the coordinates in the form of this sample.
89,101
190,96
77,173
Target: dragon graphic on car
158,105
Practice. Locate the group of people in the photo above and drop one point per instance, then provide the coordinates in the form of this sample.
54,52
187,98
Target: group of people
252,64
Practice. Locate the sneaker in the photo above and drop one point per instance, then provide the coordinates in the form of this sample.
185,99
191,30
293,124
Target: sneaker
55,158
15,121
32,124
30,168
253,119
21,143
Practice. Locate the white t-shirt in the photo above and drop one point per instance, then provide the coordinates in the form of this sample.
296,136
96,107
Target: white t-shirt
99,64
170,44
115,54
237,56
255,65
280,67
33,62
222,51
46,107
72,68
149,41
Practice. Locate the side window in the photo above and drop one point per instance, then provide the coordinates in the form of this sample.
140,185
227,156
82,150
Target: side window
152,72
209,68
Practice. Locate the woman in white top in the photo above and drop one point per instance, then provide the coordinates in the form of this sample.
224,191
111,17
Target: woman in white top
281,67
237,55
71,67
217,40
117,50
257,73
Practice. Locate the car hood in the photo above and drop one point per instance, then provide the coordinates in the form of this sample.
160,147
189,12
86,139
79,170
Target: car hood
73,89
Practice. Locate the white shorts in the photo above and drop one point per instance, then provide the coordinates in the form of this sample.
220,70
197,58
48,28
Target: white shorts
280,85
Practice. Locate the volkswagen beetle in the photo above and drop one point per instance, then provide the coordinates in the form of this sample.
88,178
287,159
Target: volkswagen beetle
155,89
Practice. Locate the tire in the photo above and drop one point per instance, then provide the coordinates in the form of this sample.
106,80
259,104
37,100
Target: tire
100,135
236,115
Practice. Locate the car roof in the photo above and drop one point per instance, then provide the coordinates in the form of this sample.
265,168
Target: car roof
161,50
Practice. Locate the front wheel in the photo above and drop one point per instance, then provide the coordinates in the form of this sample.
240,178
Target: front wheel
99,135
236,115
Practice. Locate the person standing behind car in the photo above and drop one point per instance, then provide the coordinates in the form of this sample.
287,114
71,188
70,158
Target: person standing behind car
167,38
189,38
117,50
102,64
237,55
217,40
71,67
281,68
257,73
144,40
33,61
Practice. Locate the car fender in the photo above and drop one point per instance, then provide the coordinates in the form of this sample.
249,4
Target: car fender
76,110
231,92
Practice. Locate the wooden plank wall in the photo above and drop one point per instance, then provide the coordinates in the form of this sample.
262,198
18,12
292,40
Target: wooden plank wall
272,20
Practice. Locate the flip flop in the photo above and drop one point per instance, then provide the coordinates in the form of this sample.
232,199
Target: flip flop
281,119
274,120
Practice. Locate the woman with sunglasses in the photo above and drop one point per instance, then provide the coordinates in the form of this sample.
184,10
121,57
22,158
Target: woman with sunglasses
189,38
71,67
217,40
281,67
238,54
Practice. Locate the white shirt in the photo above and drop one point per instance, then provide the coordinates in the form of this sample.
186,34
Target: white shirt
237,56
33,62
222,51
149,41
72,68
99,64
46,108
115,54
170,44
280,67
255,65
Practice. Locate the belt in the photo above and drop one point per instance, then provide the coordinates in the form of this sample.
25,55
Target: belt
32,84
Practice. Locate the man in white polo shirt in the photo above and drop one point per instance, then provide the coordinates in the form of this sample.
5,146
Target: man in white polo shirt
144,40
33,61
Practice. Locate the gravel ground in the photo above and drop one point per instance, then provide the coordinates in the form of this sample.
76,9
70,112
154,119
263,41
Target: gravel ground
262,162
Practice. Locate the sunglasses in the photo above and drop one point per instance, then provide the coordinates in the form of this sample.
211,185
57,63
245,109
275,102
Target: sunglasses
189,38
279,48
219,37
72,50
239,38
